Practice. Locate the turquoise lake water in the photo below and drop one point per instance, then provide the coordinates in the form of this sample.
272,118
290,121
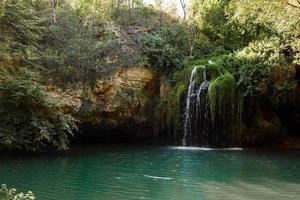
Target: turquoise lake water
152,172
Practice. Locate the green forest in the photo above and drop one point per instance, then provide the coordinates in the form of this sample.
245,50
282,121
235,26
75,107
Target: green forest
97,71
74,44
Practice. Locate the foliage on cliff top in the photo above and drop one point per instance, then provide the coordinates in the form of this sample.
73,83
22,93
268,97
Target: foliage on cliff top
20,33
265,68
166,47
30,118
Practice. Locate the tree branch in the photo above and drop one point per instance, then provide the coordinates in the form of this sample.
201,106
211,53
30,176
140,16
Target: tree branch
293,5
54,4
183,5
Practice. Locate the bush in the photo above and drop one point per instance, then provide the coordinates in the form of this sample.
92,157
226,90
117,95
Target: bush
257,62
11,194
30,118
166,47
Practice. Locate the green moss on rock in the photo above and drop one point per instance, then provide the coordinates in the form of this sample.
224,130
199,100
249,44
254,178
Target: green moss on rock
221,91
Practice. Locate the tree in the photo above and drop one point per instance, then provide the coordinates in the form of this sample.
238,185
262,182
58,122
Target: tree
54,4
266,20
31,120
2,6
184,8
295,3
106,10
158,4
71,48
166,47
211,27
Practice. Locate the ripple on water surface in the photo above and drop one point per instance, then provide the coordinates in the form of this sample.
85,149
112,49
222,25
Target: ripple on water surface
181,173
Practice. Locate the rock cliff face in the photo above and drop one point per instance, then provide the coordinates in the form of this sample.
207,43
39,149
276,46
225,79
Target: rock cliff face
135,103
124,103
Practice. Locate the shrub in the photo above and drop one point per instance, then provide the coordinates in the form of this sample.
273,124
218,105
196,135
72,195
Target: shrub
165,48
257,61
11,194
30,118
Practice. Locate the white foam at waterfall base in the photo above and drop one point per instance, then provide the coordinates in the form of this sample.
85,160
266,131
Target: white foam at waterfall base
205,148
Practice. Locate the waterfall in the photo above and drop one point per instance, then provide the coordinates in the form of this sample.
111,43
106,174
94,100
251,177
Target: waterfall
190,95
202,114
201,128
193,112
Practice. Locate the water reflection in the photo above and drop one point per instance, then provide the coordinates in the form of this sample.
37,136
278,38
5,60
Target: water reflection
269,189
156,173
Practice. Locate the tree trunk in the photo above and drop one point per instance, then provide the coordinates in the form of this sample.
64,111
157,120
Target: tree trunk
54,4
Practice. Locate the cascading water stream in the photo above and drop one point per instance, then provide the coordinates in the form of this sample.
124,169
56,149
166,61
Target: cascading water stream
187,121
199,96
202,97
201,127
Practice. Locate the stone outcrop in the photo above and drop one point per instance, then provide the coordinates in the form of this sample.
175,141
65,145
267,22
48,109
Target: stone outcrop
123,102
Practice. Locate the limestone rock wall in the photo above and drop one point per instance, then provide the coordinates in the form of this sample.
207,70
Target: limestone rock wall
123,102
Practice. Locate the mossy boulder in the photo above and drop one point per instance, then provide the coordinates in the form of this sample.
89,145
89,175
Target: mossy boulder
222,91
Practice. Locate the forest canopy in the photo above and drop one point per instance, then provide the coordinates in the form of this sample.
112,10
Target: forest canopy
67,43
